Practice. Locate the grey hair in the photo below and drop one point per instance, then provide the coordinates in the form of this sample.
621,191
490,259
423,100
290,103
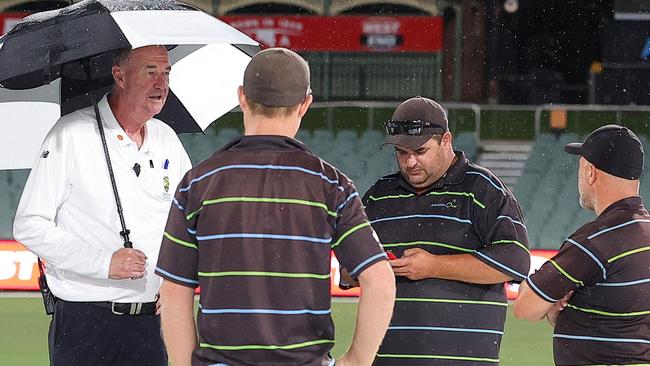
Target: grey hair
121,56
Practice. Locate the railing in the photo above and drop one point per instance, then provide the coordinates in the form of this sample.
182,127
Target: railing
371,106
617,109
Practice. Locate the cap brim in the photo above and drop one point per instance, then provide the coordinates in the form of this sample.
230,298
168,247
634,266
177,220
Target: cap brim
411,142
574,148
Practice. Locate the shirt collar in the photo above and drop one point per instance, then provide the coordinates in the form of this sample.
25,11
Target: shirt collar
265,142
116,131
633,203
454,175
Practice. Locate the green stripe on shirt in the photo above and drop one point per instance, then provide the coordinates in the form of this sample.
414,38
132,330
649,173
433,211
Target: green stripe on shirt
179,241
434,243
292,201
629,252
437,357
245,347
265,274
393,197
451,301
512,242
607,313
566,274
349,232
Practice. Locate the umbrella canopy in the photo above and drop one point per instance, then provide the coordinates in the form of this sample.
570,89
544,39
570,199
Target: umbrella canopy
55,58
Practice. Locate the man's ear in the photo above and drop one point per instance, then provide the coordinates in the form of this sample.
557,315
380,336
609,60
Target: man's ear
447,140
304,106
118,76
242,98
592,174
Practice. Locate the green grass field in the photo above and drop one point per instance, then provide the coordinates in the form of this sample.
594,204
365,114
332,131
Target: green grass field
23,335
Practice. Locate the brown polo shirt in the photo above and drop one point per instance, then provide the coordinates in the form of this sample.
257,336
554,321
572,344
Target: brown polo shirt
607,263
254,226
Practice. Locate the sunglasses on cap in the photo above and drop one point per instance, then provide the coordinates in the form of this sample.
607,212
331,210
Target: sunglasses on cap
412,128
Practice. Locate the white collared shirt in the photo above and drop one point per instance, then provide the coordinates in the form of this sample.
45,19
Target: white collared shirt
67,213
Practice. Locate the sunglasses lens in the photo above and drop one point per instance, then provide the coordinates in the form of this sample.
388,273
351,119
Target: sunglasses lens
412,128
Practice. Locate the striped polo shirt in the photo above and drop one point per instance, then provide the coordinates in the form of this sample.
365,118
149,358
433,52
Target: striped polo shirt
254,226
467,211
607,263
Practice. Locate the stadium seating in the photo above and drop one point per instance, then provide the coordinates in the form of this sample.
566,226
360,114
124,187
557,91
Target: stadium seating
466,141
13,182
547,189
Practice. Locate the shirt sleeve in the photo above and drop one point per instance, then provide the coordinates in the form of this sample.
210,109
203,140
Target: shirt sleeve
504,236
355,242
178,259
573,267
46,190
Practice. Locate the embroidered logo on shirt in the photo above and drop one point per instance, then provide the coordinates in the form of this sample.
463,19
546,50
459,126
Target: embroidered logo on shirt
166,183
445,205
45,154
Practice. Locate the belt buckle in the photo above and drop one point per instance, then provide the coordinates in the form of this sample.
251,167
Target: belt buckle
136,309
115,311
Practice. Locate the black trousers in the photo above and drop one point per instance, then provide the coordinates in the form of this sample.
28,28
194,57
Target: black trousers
83,334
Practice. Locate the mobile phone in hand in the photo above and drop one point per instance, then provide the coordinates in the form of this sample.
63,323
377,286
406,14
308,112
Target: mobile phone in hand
391,255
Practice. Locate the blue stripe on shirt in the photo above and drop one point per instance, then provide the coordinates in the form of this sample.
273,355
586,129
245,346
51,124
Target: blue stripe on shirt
350,197
581,247
464,221
362,264
178,278
615,227
602,339
265,236
513,221
444,329
266,311
261,167
500,264
622,284
539,291
489,180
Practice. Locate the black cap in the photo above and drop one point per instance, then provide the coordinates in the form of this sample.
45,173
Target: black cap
418,109
613,149
277,77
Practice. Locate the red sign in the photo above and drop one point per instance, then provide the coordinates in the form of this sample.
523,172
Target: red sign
19,270
344,33
8,20
18,267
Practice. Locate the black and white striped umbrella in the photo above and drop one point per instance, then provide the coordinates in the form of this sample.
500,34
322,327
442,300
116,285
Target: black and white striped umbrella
45,61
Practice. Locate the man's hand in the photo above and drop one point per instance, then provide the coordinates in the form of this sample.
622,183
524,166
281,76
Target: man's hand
415,264
346,278
558,307
127,263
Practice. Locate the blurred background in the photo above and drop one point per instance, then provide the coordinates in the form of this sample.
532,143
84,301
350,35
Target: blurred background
519,79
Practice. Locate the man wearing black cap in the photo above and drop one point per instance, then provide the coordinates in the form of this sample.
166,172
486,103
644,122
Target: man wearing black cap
458,233
596,290
254,226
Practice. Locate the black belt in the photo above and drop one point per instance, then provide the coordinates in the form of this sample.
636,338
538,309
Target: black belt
127,308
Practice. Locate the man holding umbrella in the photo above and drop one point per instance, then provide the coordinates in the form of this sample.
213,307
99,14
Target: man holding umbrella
105,312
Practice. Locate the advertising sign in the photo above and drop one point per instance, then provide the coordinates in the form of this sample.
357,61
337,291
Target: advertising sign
344,33
18,267
19,270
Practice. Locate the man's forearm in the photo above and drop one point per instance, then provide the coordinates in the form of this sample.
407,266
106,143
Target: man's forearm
466,268
177,321
373,314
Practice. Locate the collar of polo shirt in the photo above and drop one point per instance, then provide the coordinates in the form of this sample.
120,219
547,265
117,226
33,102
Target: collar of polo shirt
115,131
